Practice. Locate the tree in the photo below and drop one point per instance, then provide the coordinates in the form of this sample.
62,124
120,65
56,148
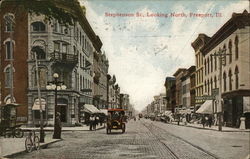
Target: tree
65,11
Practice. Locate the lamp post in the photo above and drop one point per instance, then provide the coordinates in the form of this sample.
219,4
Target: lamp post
56,85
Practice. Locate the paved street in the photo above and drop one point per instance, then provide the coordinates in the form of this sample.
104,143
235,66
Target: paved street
147,139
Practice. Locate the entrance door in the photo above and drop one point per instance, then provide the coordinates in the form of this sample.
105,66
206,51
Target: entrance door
63,113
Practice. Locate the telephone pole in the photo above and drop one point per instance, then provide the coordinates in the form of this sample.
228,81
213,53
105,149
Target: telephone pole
222,61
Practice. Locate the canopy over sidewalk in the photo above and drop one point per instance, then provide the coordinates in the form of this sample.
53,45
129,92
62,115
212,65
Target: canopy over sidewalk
206,107
91,109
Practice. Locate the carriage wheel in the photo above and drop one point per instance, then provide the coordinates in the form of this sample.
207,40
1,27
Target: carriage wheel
18,133
37,143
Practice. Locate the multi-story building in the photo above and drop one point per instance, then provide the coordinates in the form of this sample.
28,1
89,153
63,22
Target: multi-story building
233,37
67,51
13,59
101,65
191,71
199,42
178,85
169,82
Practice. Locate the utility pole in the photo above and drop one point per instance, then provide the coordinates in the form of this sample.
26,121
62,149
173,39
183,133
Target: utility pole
222,61
40,100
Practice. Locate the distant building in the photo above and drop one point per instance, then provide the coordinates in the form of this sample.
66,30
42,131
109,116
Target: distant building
169,82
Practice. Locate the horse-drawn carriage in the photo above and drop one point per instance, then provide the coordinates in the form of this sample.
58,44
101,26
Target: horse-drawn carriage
8,124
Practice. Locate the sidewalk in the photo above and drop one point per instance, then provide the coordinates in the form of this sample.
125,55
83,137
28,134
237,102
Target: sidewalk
74,128
13,146
215,128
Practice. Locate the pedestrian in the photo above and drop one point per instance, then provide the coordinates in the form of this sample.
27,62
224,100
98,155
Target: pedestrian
203,120
97,119
91,122
210,120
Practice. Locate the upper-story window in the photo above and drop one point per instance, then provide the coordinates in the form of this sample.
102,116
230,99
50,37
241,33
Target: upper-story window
236,72
8,76
208,65
225,62
230,79
211,61
40,53
205,63
56,46
38,26
215,62
236,42
225,81
9,50
215,82
61,47
230,50
9,22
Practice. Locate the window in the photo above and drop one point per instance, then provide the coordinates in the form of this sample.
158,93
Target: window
56,46
9,50
42,75
225,81
225,58
211,83
9,20
38,26
215,82
215,62
207,65
205,86
211,60
39,52
8,76
236,72
236,42
230,51
64,48
230,79
208,89
55,26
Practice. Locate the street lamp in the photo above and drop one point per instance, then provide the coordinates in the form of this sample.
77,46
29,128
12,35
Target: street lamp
56,86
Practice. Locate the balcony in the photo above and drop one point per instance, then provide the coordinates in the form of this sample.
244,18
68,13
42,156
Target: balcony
64,58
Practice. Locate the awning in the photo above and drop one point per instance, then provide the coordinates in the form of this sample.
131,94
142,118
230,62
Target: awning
104,111
90,109
206,108
36,105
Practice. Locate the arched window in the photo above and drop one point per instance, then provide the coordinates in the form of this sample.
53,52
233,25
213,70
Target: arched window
236,42
211,83
38,26
236,72
215,82
215,62
205,86
230,50
8,76
225,81
224,48
230,79
40,53
9,50
205,63
208,90
9,20
208,65
211,60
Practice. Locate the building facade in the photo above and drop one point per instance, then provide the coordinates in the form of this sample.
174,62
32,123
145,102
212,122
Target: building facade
233,37
169,82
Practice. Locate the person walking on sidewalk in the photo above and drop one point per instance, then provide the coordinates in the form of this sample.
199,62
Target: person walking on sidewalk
203,120
210,121
91,122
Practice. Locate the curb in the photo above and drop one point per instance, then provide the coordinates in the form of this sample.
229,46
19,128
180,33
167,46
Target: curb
210,129
42,146
27,129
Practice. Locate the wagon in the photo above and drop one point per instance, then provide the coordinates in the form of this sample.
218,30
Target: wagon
116,120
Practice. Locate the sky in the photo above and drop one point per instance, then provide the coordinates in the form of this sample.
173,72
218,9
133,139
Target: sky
148,40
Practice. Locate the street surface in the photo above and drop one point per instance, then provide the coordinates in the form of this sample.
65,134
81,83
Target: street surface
147,139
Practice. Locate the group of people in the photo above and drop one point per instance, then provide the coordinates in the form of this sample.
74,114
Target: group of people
93,121
206,120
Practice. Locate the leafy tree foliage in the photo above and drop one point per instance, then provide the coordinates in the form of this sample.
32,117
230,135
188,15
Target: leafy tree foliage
65,11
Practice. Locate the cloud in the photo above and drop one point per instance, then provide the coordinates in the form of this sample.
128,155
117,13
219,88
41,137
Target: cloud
142,51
